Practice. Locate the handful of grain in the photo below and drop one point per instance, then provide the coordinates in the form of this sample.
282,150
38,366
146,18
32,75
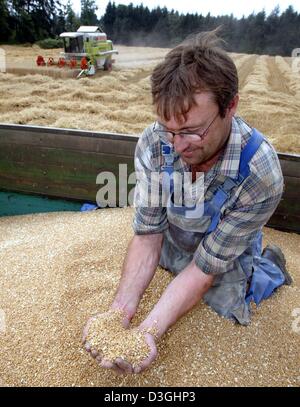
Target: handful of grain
109,337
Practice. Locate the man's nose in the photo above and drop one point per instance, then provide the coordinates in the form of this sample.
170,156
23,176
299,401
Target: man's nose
180,143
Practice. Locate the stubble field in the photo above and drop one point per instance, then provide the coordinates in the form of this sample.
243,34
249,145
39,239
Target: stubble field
120,101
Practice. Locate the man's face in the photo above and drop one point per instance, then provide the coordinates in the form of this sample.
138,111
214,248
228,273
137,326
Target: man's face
197,150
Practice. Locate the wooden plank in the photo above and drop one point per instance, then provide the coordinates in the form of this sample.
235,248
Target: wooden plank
64,159
57,172
285,222
77,192
67,185
66,162
67,166
291,190
290,167
70,172
83,163
288,156
97,144
21,128
288,207
39,178
287,214
70,139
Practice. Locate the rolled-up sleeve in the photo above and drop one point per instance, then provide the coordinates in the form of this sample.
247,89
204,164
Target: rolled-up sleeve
150,216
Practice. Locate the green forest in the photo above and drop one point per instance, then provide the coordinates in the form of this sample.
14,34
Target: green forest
30,21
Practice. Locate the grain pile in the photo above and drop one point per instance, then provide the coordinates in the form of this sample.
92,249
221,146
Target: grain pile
108,336
120,101
58,269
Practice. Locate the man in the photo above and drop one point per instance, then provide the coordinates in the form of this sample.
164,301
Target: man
213,248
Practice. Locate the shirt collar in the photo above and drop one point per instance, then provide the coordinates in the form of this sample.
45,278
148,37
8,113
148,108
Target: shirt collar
230,159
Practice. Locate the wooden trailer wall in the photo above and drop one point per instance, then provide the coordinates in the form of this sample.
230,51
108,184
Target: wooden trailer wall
64,163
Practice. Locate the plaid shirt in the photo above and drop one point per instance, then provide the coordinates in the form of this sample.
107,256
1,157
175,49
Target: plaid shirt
246,211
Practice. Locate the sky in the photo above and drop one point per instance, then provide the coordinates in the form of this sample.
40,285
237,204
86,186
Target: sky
216,7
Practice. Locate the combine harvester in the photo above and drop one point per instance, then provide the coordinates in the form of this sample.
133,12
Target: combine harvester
87,48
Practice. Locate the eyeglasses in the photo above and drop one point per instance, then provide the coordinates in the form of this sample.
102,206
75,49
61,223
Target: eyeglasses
190,137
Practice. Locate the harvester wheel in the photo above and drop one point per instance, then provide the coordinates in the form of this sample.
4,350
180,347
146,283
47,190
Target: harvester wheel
40,61
61,62
84,63
50,61
107,65
73,63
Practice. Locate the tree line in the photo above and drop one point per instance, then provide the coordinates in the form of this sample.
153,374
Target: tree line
27,21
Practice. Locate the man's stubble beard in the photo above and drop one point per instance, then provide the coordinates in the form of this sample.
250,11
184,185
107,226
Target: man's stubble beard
199,159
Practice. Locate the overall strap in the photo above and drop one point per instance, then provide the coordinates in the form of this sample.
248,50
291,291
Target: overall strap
213,207
167,169
168,165
248,152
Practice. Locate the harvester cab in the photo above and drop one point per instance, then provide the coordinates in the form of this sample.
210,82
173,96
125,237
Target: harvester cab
90,44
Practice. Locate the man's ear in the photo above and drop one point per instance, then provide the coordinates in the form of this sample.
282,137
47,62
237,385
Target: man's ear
233,105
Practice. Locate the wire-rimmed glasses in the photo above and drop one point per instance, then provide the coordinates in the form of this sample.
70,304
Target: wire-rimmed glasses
189,136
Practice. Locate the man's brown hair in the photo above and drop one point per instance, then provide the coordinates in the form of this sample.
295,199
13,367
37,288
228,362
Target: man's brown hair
198,64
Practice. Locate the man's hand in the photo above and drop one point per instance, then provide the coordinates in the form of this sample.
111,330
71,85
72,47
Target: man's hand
120,366
151,357
94,352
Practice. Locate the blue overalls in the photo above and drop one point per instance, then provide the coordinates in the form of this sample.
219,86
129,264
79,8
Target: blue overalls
230,293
